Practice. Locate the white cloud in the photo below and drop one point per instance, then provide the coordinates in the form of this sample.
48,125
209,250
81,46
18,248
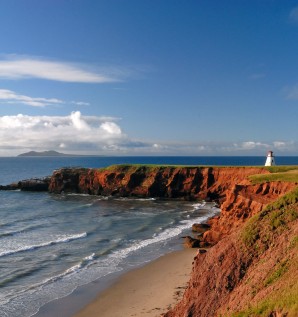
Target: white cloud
258,147
80,103
111,128
285,146
78,122
20,67
73,132
12,97
250,145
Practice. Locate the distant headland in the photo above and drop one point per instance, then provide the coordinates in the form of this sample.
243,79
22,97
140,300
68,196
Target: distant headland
45,153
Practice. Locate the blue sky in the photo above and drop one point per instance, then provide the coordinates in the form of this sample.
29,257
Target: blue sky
149,77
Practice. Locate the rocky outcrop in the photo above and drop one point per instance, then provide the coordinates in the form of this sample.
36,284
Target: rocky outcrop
32,184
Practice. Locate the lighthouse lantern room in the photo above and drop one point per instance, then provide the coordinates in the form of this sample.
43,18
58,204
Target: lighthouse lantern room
270,161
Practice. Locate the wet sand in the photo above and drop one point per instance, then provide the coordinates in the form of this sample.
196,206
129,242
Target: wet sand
147,291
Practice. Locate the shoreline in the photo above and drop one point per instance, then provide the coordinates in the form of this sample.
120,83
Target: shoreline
148,291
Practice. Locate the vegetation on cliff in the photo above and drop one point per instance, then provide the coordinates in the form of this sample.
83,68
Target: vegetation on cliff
273,232
252,270
277,173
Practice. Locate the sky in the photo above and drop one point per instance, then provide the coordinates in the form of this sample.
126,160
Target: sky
149,77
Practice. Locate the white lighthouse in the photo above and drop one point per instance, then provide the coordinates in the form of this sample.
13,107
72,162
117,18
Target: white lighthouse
270,161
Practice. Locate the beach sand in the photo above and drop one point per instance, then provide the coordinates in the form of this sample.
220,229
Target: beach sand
147,291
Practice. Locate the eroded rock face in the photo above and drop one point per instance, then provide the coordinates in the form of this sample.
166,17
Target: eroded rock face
214,276
230,186
167,182
231,277
242,202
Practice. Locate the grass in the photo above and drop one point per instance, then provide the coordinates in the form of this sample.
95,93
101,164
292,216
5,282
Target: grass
281,169
294,243
277,173
286,200
112,167
284,300
257,235
259,230
278,273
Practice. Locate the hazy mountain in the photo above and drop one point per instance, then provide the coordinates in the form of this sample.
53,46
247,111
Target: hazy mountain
44,153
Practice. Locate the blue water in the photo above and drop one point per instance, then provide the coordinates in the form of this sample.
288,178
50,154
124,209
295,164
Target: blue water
52,244
17,168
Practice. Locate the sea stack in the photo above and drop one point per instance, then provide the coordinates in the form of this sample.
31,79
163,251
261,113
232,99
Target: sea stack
270,161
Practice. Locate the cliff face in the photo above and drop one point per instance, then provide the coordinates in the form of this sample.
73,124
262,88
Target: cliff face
240,203
248,273
146,181
228,185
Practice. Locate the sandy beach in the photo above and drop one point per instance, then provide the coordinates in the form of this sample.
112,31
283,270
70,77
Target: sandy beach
147,291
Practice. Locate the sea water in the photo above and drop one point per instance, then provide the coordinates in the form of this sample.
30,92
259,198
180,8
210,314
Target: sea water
52,244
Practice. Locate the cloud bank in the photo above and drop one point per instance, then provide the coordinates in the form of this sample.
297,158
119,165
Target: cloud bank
73,133
97,135
20,67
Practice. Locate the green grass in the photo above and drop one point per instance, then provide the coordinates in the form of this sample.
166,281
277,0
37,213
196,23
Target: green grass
283,301
278,273
277,173
174,166
281,169
286,200
259,230
294,243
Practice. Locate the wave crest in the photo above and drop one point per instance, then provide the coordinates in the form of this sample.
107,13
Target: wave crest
62,239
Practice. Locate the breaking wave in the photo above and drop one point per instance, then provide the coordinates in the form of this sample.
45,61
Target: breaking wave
62,239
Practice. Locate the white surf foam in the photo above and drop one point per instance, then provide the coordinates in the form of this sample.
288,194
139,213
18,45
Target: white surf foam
166,234
60,239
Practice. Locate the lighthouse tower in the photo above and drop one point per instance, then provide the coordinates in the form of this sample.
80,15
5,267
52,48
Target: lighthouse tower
270,161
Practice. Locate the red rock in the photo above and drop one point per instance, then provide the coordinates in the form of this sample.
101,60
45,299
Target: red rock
190,242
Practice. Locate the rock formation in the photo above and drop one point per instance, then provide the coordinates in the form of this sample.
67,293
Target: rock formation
32,184
250,272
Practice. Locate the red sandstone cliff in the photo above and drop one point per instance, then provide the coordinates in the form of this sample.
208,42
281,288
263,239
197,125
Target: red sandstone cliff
146,181
230,186
251,272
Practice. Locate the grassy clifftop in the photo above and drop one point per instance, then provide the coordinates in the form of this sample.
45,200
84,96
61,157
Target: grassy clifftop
277,173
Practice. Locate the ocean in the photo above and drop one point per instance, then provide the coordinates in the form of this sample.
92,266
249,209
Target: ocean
51,245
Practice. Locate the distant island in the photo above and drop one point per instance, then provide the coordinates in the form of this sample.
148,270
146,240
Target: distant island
45,153
52,154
